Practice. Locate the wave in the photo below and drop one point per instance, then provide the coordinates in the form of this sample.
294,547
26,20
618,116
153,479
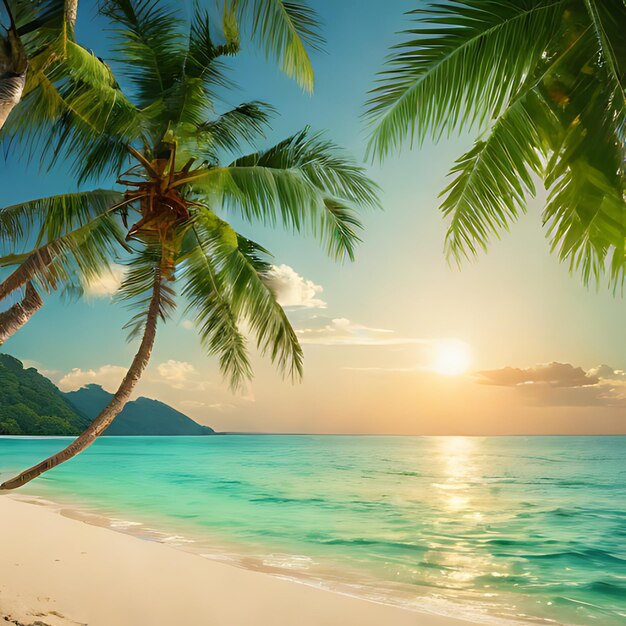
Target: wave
361,541
593,555
607,588
286,500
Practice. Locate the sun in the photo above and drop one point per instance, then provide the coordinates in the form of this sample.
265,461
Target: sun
452,358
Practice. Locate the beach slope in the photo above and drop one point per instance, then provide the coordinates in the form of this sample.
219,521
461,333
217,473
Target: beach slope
60,571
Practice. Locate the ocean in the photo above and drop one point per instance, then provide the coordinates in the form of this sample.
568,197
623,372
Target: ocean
505,530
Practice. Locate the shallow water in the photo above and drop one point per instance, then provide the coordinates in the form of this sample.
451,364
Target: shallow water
520,528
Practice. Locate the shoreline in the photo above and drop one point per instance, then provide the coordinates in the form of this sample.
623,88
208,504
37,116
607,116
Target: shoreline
61,571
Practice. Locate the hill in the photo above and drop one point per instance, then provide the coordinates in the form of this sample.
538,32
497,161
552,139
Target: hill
139,417
32,405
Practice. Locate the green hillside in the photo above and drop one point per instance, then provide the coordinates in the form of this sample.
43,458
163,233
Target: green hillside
31,405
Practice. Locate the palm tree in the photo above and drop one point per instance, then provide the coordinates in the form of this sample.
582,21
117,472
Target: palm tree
67,86
544,83
167,147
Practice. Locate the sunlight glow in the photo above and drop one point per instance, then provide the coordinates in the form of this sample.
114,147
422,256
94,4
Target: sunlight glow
452,358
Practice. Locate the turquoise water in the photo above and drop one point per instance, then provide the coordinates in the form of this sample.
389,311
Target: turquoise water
521,528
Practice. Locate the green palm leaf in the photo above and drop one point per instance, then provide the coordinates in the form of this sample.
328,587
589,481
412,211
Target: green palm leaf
241,125
443,76
217,323
547,79
285,30
82,254
144,265
304,183
150,44
493,180
243,275
54,215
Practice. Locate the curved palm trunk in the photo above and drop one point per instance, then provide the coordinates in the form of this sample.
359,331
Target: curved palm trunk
13,65
111,411
40,259
19,314
15,317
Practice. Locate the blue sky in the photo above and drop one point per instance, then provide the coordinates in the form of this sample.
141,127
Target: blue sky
516,306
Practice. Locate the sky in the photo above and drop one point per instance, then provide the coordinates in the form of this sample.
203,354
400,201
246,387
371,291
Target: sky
397,342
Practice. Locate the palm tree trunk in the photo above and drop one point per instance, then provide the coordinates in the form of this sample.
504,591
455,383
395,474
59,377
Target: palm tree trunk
13,66
71,8
110,412
40,258
14,318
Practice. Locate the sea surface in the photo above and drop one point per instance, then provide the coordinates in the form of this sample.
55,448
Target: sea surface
500,529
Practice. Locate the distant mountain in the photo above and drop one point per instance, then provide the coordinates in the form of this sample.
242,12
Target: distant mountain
139,417
31,405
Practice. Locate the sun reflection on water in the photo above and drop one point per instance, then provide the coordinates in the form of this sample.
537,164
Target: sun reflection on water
459,468
463,514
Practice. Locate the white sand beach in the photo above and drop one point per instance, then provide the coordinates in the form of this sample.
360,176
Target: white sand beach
58,571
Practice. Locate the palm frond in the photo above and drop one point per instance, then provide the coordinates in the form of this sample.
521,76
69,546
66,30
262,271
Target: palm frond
444,75
149,44
73,108
285,31
236,262
144,267
191,96
608,18
85,252
304,183
241,125
54,215
203,52
586,221
494,179
211,309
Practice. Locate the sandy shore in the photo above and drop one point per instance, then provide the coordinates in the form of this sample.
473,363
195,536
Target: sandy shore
58,571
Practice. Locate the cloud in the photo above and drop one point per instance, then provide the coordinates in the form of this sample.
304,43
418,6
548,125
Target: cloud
606,372
175,373
344,332
552,374
187,324
108,376
105,285
562,384
292,290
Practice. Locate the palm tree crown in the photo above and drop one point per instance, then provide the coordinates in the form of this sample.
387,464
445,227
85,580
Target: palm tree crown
543,81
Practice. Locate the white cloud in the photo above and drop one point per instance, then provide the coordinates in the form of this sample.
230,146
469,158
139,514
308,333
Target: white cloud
175,373
108,376
107,283
343,332
292,290
607,373
187,324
